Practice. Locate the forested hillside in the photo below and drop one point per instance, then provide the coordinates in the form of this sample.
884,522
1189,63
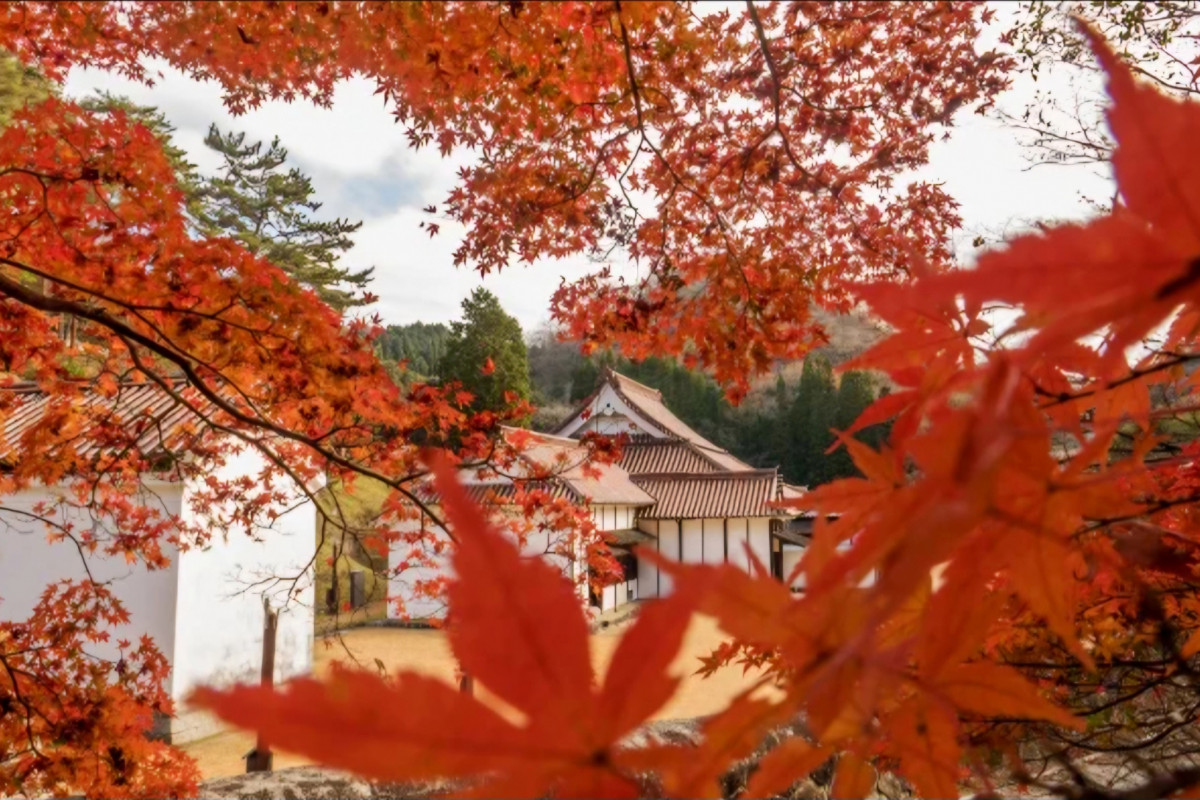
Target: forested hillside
422,344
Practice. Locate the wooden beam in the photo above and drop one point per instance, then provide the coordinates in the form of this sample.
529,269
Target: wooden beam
261,759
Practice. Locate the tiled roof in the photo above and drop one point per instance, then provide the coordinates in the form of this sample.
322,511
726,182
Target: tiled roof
504,491
600,484
790,492
649,403
648,454
749,493
554,464
140,416
627,537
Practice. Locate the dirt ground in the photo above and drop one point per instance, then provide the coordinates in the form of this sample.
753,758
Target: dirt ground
428,652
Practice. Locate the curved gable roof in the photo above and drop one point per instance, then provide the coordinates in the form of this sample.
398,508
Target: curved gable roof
648,403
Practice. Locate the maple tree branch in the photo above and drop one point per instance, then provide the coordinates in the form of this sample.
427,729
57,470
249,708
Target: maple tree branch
51,304
31,711
1059,398
257,444
704,199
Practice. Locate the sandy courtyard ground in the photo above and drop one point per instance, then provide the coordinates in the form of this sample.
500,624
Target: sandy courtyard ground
428,652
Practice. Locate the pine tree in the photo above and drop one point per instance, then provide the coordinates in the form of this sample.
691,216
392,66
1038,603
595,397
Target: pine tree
855,392
812,417
269,211
190,181
485,332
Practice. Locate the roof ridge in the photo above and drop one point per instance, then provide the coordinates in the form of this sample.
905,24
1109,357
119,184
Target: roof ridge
547,438
612,373
638,439
714,475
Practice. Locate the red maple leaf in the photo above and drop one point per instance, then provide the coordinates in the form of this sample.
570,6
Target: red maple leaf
518,628
1154,234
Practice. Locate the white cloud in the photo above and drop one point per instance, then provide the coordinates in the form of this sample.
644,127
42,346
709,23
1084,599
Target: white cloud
352,139
417,281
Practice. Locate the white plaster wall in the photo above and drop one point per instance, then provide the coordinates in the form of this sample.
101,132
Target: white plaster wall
619,594
738,529
693,541
626,592
219,614
610,415
28,563
792,554
609,426
714,541
760,540
648,572
405,583
668,546
613,517
791,557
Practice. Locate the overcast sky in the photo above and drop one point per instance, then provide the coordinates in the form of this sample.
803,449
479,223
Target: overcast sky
363,170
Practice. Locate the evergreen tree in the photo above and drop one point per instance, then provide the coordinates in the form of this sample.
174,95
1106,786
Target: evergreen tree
854,394
485,332
253,201
810,421
268,210
553,365
585,376
156,122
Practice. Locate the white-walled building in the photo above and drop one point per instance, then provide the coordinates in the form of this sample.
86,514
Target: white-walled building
672,491
709,506
605,491
205,610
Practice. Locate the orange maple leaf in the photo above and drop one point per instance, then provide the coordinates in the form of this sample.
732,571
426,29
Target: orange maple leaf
518,628
1154,235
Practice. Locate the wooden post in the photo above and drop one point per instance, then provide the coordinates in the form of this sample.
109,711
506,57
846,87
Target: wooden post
261,759
332,601
358,589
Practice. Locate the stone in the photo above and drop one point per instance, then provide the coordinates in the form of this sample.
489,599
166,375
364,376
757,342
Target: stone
302,783
892,787
310,783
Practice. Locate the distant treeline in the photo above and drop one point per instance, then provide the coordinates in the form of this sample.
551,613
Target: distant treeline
422,344
788,425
